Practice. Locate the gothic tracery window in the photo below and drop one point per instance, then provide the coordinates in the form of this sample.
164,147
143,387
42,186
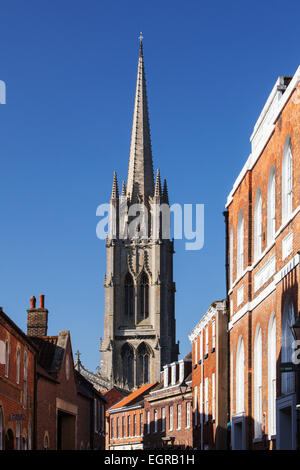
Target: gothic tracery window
129,297
143,364
144,296
127,363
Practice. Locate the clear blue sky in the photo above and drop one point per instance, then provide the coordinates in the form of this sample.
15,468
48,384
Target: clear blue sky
70,70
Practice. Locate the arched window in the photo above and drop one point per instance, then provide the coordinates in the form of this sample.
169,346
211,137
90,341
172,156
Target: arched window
231,257
258,384
287,180
288,319
18,365
257,224
25,381
144,296
271,206
240,402
143,356
240,244
129,296
7,351
127,362
272,358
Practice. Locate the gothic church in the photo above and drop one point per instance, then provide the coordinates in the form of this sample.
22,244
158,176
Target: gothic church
139,320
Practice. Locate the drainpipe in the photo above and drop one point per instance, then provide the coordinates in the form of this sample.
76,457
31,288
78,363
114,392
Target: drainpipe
226,214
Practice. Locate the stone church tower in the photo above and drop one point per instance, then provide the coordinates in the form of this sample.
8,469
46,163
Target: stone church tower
139,321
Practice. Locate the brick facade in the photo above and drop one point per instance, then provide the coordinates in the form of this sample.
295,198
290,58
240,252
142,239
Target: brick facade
125,421
268,281
209,378
168,409
17,394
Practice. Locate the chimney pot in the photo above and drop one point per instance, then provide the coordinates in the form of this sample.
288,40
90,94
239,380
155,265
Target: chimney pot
42,301
32,302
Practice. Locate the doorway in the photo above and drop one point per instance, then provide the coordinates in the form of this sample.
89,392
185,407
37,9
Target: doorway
66,424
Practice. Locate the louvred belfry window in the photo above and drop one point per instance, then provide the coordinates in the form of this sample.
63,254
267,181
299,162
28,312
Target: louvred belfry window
144,296
129,296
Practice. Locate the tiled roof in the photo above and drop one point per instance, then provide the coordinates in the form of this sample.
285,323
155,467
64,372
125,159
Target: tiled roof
134,396
46,346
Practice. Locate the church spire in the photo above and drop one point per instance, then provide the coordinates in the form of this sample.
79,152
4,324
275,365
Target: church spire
157,191
115,189
165,192
140,172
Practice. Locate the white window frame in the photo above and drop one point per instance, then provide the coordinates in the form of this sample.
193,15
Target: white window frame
213,325
240,244
272,359
258,225
213,385
206,340
188,414
178,417
155,420
287,180
196,406
206,399
163,419
288,319
231,257
25,379
258,383
7,357
240,377
271,206
171,418
201,345
18,365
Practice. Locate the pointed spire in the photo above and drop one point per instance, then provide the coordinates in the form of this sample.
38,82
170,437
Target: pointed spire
123,194
157,191
141,37
115,189
140,171
165,192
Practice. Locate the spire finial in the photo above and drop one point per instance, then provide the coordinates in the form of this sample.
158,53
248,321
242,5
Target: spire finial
115,189
141,37
165,192
157,191
123,189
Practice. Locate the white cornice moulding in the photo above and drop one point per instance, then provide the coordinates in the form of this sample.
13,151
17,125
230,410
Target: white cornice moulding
253,157
252,266
266,292
206,319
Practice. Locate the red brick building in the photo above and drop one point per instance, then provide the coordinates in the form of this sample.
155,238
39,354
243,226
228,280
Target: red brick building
70,413
125,421
168,409
209,378
263,226
17,394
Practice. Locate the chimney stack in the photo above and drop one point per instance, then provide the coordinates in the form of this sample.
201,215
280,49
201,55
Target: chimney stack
37,318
